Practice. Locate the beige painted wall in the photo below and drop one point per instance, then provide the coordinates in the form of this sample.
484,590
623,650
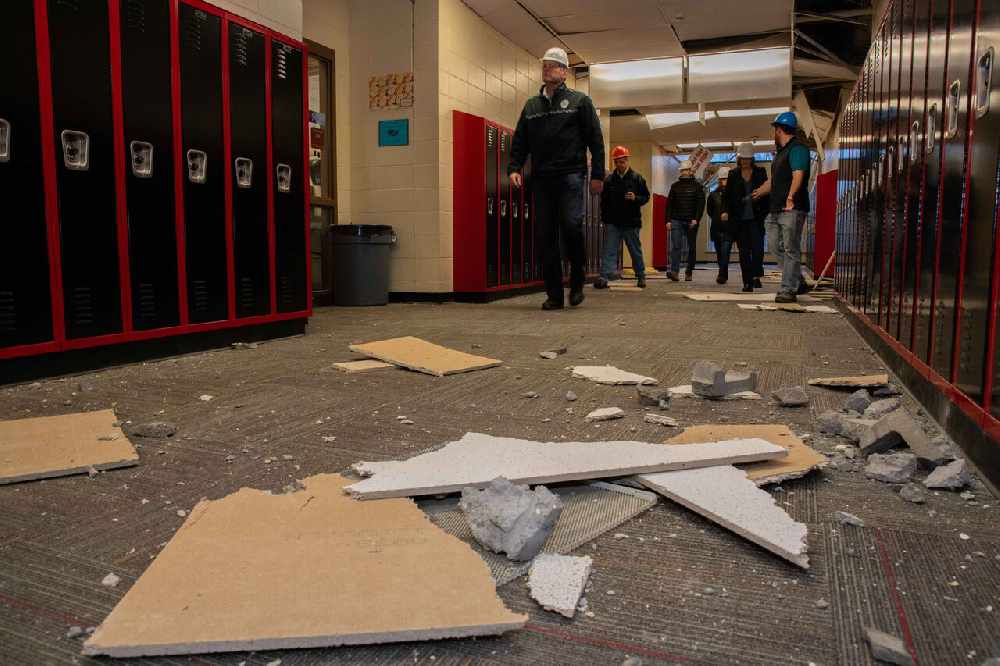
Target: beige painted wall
284,16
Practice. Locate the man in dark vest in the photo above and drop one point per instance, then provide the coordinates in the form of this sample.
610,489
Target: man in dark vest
625,193
556,128
789,190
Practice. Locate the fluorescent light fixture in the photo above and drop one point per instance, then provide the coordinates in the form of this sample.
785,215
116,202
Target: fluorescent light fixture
749,113
658,82
722,77
661,120
636,70
711,145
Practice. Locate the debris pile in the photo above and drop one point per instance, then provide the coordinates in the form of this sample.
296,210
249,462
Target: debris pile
511,519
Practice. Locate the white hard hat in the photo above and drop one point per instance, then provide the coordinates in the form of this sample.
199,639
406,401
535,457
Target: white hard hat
686,164
744,150
723,172
556,54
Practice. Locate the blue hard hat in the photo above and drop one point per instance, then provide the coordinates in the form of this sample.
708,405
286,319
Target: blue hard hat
787,119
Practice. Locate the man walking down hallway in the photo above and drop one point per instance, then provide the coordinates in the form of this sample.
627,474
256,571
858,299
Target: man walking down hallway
685,206
556,128
625,193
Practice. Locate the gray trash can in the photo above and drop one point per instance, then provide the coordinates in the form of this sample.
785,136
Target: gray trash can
361,263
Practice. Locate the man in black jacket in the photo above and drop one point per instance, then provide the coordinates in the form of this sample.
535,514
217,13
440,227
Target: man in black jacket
556,128
685,206
722,236
625,193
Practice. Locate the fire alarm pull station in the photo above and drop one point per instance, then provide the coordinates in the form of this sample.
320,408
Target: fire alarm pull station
4,141
197,166
76,150
244,172
142,159
284,178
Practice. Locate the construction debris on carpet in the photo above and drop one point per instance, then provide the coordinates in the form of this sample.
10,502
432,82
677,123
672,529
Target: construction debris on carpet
854,382
557,582
422,356
511,519
608,374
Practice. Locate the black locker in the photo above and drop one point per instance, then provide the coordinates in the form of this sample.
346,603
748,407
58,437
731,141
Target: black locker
204,164
492,207
881,222
149,162
250,177
528,219
932,178
516,235
921,139
982,201
85,166
25,297
953,198
897,172
505,212
862,298
288,178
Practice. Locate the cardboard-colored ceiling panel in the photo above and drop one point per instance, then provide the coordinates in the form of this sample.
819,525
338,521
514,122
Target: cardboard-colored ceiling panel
312,568
422,356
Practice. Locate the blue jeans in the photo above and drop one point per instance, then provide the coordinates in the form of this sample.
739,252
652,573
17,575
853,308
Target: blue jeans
559,212
784,237
613,237
723,248
682,232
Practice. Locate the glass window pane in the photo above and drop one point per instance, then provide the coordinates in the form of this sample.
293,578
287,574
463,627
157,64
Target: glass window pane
319,229
320,123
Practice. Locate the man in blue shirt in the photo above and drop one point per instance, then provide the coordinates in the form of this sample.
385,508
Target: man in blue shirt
789,192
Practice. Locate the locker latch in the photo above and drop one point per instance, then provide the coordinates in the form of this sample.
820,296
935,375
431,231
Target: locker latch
197,166
4,141
951,109
142,159
284,173
984,82
244,172
526,209
76,150
515,210
931,132
503,208
489,205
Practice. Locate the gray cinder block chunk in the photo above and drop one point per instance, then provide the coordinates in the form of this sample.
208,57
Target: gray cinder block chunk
845,518
606,414
511,519
880,408
892,467
656,419
911,492
858,401
557,581
710,380
892,430
791,396
652,396
888,648
951,476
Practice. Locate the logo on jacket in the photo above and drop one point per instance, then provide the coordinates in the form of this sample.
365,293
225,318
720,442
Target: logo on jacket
563,104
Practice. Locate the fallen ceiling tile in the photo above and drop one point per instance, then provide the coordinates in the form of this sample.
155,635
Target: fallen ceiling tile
49,446
788,307
742,298
800,461
686,391
351,367
422,356
855,382
725,495
557,581
608,374
312,568
477,459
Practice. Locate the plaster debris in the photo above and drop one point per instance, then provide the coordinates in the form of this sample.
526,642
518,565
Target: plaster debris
911,492
608,374
888,648
75,632
686,391
794,396
553,353
859,381
653,396
710,380
952,476
570,396
511,519
529,394
822,604
887,391
656,419
477,459
153,430
557,582
206,397
350,367
845,518
891,430
111,580
606,414
726,496
858,401
892,467
880,408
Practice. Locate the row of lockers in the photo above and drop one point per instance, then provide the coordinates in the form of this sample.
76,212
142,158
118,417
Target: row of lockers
494,223
917,237
153,151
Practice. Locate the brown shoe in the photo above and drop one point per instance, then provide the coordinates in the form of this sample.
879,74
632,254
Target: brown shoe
672,276
688,276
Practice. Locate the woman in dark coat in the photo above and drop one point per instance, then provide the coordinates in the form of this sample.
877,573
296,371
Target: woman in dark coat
746,216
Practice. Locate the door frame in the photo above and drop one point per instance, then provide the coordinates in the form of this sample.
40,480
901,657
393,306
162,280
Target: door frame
325,296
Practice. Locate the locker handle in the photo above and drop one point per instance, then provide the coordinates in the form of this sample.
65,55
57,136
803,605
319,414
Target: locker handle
951,110
914,133
489,205
244,172
284,176
900,159
503,208
984,82
76,150
527,210
4,141
142,159
197,162
931,129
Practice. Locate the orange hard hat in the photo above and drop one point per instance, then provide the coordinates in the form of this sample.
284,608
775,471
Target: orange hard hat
619,152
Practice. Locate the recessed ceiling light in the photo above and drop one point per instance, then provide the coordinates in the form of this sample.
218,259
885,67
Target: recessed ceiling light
660,120
747,113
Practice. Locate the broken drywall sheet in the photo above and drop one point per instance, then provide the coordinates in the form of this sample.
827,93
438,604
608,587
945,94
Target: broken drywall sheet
477,459
800,461
50,446
726,496
686,391
856,382
608,374
422,356
557,581
351,367
311,568
788,307
736,297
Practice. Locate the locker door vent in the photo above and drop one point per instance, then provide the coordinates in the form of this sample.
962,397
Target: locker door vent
281,63
240,45
247,300
135,15
8,315
72,5
194,28
147,301
82,307
200,295
285,294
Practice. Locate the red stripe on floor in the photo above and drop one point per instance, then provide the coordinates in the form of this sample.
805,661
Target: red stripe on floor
628,648
890,576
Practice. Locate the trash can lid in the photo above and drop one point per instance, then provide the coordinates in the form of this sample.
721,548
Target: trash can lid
361,230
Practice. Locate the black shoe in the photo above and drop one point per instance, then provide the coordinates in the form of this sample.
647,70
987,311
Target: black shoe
549,304
757,284
575,297
673,276
600,283
785,298
803,288
748,288
641,282
688,276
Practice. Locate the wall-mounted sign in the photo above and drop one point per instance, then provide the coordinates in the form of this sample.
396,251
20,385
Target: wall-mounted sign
394,132
390,90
